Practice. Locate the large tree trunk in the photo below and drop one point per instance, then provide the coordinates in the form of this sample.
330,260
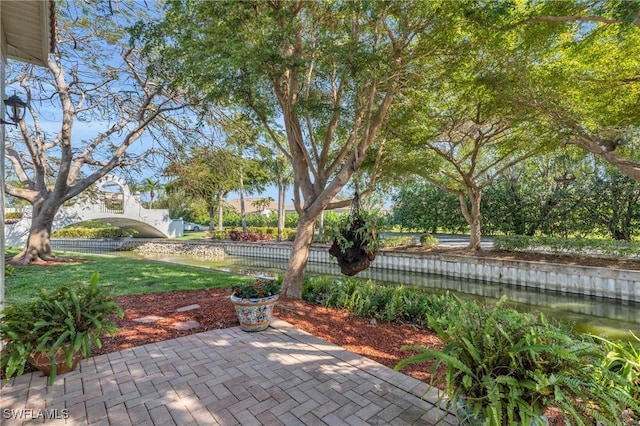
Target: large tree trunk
292,285
473,217
38,246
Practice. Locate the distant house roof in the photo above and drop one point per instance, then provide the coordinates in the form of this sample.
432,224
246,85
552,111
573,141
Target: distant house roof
28,30
251,208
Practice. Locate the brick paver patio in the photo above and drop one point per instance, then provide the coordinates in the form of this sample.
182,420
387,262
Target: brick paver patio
281,376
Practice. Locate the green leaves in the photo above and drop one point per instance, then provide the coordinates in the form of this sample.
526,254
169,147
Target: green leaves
506,368
70,318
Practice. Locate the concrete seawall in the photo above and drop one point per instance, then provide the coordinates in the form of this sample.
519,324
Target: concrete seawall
617,284
600,282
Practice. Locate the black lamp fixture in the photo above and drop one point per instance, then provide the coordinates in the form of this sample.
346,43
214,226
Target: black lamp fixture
15,109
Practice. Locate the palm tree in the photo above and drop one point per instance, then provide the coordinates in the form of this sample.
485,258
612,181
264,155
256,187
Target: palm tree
261,204
149,186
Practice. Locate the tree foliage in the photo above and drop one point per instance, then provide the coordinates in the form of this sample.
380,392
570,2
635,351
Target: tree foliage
424,207
95,79
575,65
328,70
209,174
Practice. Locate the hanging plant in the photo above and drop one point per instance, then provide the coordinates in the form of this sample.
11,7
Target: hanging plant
356,244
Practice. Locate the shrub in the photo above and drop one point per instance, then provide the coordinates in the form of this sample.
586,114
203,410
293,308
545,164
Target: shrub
428,240
623,359
323,238
387,303
81,232
506,367
219,235
315,289
291,220
71,318
259,220
248,236
396,241
502,366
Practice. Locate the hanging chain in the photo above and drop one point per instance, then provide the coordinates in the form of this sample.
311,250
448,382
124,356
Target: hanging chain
354,214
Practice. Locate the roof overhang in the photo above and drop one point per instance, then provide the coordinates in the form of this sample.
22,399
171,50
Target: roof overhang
29,30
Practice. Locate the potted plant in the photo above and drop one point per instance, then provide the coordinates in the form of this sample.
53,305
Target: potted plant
254,302
57,329
356,243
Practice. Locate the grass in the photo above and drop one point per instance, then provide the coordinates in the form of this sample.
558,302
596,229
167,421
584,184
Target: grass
121,275
192,235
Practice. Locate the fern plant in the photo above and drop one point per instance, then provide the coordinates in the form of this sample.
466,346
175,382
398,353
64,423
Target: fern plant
623,360
505,368
70,319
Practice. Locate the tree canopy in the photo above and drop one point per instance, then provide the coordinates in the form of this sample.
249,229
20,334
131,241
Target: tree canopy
95,76
328,71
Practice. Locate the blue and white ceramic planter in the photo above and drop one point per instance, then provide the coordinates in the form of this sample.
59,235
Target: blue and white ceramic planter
254,314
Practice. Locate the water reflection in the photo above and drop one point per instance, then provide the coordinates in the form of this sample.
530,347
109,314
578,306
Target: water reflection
599,316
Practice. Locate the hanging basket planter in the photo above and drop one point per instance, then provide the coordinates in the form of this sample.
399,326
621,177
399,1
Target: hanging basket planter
357,245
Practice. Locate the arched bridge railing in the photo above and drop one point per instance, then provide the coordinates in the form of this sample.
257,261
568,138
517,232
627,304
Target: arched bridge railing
113,205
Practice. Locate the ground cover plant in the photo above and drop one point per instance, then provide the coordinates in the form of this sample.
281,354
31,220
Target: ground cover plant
504,367
623,358
68,320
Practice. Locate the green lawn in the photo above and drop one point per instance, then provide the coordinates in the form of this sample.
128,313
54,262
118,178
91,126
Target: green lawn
193,235
122,275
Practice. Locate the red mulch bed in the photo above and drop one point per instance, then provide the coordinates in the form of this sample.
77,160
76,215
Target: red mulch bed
380,342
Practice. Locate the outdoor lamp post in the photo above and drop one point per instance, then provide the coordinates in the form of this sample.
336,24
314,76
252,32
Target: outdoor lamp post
15,108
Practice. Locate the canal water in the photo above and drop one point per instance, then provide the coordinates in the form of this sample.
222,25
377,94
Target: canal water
606,317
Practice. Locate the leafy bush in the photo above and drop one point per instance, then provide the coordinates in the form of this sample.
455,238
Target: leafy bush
259,220
323,238
428,240
396,241
314,289
78,232
71,318
505,367
623,359
388,303
219,235
248,236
